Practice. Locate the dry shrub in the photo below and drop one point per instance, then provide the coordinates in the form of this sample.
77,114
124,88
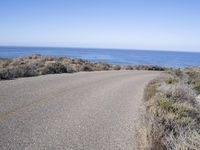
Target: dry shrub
128,67
172,117
193,74
18,71
4,62
148,136
179,92
151,89
116,67
102,66
187,139
52,68
150,67
37,65
86,67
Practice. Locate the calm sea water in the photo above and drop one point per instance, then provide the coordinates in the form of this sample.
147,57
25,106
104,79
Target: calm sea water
124,57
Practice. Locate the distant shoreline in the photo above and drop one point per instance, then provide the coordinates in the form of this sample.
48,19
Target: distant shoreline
104,48
111,56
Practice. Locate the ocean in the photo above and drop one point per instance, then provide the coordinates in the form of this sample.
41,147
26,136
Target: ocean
113,56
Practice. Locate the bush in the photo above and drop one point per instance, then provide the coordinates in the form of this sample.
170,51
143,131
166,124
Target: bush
171,80
193,74
15,72
146,67
179,92
128,68
180,110
197,85
37,65
86,67
185,140
52,68
116,67
102,66
150,90
4,62
172,115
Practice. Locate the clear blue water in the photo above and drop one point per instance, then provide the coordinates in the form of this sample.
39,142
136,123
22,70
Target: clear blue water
113,56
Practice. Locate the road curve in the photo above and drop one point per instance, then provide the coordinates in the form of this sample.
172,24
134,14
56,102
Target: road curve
80,111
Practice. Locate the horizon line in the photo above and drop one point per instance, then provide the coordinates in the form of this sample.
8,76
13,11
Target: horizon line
108,48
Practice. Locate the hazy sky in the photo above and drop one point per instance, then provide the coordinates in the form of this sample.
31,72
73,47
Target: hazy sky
135,24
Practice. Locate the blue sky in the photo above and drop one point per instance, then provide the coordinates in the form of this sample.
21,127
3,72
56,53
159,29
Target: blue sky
133,24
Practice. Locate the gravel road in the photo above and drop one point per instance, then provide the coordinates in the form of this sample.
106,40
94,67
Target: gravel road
80,111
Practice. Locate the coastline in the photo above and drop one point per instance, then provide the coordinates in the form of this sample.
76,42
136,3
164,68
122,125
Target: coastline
111,56
121,80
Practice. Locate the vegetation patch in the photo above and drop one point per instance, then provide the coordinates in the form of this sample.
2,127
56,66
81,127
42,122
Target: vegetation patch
171,80
40,65
172,117
197,85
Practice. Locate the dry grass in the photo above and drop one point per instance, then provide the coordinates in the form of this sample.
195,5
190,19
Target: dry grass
172,117
179,93
171,80
187,139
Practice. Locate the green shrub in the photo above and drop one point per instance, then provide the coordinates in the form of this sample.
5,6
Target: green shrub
181,110
166,104
150,90
197,85
171,80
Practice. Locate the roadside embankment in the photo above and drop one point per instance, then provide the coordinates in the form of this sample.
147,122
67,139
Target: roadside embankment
35,65
172,116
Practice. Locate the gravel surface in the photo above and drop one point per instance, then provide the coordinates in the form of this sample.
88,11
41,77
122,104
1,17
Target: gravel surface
80,111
